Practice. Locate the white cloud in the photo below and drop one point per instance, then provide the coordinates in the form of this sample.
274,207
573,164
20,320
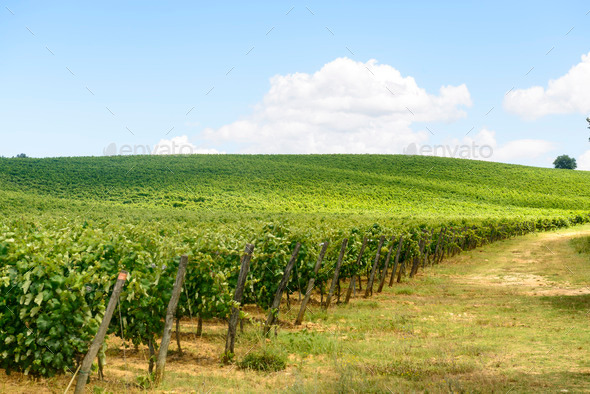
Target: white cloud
515,150
484,146
584,161
180,145
520,150
345,107
569,93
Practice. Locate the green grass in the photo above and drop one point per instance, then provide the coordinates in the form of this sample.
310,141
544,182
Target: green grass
478,337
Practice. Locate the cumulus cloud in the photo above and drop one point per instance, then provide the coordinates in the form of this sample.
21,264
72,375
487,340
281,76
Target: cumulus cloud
345,107
178,146
566,94
484,146
515,150
584,161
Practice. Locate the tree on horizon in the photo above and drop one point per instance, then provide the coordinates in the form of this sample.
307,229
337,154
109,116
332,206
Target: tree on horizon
565,162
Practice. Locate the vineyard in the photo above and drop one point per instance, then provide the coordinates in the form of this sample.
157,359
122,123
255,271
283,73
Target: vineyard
351,225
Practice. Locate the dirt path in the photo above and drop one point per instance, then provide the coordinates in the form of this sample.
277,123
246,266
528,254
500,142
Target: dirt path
540,265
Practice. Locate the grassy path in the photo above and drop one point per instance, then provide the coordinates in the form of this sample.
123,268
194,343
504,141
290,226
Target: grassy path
509,317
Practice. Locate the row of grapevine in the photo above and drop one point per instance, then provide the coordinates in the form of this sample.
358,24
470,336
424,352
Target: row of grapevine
55,280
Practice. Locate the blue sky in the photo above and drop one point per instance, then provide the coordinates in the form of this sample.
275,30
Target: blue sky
152,62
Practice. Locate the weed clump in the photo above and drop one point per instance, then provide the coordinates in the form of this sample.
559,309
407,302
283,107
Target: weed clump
264,360
582,245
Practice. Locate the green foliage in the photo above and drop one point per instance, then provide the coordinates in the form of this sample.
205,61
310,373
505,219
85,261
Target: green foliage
565,162
206,292
264,360
144,382
47,314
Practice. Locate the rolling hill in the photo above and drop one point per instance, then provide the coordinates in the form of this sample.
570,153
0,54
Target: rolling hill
330,185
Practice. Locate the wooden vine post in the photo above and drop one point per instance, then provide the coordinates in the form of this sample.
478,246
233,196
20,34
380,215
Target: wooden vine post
427,249
443,244
447,245
396,261
423,253
161,361
276,303
416,262
336,273
235,311
438,244
472,238
357,264
99,337
310,284
450,244
477,238
456,240
402,267
464,242
369,289
386,266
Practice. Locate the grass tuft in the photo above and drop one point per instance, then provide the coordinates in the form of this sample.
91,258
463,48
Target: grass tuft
264,360
581,245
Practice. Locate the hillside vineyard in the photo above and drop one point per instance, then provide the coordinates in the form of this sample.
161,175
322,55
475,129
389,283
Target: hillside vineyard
68,226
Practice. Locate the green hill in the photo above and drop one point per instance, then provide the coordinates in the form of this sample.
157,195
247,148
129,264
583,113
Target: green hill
368,185
311,196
